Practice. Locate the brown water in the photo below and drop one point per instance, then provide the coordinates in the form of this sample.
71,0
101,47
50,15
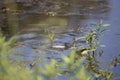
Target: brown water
33,42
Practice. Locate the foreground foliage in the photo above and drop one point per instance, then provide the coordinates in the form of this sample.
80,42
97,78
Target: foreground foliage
10,71
77,65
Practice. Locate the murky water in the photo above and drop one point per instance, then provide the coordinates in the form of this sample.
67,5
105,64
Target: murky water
33,42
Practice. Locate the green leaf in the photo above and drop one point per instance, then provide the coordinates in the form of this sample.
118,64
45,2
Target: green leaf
66,59
105,25
92,24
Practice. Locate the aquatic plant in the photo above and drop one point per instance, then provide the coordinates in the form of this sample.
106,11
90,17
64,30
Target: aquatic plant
51,35
47,71
92,39
78,67
115,62
93,50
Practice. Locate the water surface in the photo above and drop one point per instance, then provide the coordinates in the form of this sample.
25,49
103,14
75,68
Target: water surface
33,42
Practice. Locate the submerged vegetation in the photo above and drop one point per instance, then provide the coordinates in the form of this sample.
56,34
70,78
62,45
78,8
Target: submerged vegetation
81,64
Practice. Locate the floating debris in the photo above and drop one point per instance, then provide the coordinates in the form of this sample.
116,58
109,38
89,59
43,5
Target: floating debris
58,46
